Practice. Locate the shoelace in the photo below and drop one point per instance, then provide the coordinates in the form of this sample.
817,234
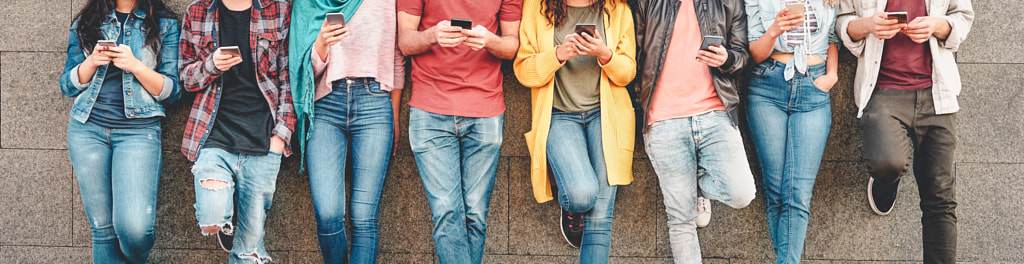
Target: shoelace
575,222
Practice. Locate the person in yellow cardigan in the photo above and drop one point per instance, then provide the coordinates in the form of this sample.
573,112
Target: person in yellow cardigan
583,122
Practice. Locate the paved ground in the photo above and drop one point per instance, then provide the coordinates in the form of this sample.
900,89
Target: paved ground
42,220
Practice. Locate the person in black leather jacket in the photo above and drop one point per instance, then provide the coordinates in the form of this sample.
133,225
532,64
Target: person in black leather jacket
688,96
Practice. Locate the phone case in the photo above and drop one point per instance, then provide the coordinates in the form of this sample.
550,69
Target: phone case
462,23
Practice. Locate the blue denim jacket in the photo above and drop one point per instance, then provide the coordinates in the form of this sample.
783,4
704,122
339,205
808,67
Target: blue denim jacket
138,103
761,15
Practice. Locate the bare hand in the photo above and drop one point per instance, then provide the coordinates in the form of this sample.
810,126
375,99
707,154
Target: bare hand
593,46
123,58
98,57
920,29
883,27
446,35
568,49
714,56
329,35
477,38
276,144
825,82
224,62
784,21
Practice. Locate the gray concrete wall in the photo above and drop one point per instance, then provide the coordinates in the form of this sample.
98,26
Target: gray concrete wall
42,220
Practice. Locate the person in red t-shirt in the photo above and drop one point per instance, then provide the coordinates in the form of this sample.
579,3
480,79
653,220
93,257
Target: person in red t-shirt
456,117
906,88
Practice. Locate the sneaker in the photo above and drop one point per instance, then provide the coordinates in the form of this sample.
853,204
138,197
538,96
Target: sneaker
703,211
226,236
572,228
882,197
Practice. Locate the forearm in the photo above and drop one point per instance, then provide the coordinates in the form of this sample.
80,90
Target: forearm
414,42
941,28
832,62
762,48
859,28
396,110
85,73
503,47
151,80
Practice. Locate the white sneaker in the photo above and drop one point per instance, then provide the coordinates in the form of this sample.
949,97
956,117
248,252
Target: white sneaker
703,212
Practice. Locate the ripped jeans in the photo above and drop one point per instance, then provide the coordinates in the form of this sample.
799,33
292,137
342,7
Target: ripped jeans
251,181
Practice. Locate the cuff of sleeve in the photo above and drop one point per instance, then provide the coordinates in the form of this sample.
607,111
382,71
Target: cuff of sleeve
952,41
165,92
209,67
282,131
319,66
730,63
76,81
855,47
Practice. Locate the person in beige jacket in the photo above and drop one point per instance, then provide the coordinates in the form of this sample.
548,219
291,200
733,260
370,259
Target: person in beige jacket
906,91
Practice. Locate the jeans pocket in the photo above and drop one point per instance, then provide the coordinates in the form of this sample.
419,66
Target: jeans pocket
373,88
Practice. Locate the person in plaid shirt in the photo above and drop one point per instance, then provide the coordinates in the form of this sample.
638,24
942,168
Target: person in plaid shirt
234,55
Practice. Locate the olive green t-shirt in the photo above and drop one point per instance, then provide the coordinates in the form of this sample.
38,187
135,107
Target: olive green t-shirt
578,82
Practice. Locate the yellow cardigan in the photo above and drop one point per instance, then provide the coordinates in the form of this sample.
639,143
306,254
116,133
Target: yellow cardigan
535,66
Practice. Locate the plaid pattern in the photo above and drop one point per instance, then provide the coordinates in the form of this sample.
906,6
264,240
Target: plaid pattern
269,39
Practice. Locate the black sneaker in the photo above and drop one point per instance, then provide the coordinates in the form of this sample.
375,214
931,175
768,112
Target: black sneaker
882,197
572,228
226,236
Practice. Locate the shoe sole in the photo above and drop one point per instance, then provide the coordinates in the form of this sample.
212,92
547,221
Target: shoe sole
871,199
561,227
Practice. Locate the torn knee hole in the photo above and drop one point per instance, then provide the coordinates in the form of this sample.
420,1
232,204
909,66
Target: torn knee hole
208,230
213,184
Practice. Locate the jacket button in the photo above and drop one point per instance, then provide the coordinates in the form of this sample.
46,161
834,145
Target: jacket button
129,92
131,114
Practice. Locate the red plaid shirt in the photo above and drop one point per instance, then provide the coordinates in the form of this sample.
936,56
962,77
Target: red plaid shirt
269,39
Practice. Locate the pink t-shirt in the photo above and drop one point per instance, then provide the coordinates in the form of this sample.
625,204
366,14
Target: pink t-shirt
459,81
369,50
685,87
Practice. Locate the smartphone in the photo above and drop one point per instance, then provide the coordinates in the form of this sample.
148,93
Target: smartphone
335,19
106,43
711,40
898,16
795,8
462,23
588,28
230,50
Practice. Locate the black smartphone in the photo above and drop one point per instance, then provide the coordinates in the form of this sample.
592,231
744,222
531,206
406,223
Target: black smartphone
106,43
587,28
335,19
230,50
462,23
900,16
711,40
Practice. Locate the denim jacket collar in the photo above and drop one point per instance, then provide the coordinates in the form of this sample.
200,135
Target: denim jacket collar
113,15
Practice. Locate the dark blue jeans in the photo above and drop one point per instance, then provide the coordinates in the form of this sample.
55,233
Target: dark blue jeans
576,155
356,114
789,124
118,171
457,157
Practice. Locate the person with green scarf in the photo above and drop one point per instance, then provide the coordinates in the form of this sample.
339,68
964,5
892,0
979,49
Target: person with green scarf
346,86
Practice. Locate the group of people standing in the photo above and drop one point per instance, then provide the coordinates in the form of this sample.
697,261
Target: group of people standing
265,70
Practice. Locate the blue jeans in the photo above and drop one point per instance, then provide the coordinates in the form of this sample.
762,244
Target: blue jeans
789,124
118,171
356,114
704,150
251,181
457,158
576,156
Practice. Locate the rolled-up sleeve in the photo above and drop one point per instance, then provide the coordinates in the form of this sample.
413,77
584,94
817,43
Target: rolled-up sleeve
755,25
848,13
960,18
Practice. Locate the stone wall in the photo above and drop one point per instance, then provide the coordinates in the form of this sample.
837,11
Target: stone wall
42,220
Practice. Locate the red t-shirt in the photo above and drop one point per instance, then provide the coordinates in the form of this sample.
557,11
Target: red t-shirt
906,65
459,81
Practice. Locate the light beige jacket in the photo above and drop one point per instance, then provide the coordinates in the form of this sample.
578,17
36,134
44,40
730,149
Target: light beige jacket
945,75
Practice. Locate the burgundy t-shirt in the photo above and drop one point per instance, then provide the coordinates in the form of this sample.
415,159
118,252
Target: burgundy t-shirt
459,81
906,65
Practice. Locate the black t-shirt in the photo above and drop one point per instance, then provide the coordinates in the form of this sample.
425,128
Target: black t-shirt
243,121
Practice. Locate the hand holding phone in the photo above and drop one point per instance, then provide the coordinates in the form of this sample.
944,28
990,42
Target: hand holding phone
713,53
711,41
97,57
226,57
447,35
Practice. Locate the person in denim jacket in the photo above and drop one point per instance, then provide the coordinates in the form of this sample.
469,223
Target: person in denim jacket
788,108
113,136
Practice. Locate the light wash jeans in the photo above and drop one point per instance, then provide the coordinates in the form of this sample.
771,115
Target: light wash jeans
704,150
356,114
252,180
457,158
789,124
118,171
576,156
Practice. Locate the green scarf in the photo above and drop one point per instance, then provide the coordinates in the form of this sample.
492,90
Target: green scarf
307,16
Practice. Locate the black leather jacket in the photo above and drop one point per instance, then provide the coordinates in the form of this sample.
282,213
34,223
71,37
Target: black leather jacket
654,20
